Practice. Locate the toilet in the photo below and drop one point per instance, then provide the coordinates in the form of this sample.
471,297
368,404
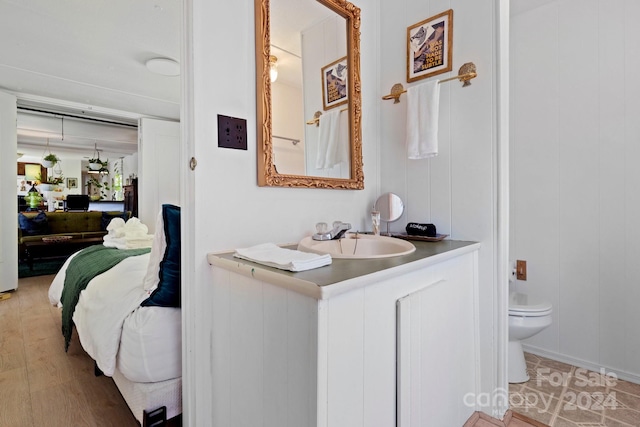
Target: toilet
527,316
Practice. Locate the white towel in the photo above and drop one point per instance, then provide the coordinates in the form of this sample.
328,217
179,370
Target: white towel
114,225
333,147
272,255
129,235
423,106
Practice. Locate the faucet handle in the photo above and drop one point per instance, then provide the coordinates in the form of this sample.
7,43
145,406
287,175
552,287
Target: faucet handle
337,224
321,227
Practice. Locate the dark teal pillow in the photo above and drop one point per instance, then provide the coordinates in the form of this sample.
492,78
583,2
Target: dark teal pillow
33,226
167,294
108,216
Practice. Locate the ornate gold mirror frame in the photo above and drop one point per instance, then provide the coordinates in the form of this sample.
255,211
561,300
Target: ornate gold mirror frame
267,174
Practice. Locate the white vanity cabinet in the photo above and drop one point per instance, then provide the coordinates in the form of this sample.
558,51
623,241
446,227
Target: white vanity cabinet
358,343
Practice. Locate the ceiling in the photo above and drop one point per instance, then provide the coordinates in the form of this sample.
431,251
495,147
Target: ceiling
288,19
87,59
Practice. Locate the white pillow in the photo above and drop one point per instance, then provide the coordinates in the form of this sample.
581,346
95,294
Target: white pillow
158,248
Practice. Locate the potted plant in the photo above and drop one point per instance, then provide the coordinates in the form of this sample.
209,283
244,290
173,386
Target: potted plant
96,188
50,160
50,184
96,164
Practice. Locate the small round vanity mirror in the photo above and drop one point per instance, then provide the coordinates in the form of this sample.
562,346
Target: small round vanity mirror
390,207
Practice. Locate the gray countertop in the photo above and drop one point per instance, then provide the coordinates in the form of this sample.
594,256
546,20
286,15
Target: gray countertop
319,282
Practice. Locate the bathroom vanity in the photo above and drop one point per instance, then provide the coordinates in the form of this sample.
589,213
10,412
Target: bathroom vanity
367,342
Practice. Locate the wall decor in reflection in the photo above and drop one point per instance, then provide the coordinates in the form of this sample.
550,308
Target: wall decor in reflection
334,84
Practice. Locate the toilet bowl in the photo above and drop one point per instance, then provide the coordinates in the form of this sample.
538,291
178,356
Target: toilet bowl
527,316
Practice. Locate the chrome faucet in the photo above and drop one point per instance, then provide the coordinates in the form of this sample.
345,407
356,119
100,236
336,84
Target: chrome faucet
339,228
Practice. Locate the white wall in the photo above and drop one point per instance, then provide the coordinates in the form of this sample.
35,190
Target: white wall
159,181
72,168
575,201
321,45
130,166
287,121
455,190
230,210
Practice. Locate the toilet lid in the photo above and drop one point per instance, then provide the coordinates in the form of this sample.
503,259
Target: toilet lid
527,304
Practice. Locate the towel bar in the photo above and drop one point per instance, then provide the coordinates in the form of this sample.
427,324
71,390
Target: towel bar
316,117
465,74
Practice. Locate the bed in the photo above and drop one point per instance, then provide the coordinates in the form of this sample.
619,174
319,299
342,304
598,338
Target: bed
128,319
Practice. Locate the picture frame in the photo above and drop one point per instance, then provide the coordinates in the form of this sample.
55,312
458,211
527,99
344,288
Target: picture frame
430,46
72,183
334,84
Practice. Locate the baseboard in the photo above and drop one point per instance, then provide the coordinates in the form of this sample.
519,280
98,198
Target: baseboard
627,376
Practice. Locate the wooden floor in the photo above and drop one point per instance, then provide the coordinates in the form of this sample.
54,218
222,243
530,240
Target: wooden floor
40,384
511,419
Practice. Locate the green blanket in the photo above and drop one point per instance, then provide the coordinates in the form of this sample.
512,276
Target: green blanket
87,264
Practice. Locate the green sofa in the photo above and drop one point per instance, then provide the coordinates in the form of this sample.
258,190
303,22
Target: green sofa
79,225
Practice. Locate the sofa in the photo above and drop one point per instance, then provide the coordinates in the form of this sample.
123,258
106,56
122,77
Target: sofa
33,226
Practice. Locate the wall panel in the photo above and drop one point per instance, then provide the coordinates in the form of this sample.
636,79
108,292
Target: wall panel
574,178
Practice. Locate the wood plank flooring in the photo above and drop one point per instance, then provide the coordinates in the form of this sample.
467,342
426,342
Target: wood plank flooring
511,419
42,385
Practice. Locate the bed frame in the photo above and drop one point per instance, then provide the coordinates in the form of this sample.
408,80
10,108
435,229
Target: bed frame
152,404
146,400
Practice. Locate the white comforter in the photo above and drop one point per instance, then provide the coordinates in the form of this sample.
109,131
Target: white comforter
103,307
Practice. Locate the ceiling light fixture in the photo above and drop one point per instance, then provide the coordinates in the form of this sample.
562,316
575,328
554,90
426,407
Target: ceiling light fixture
163,66
273,68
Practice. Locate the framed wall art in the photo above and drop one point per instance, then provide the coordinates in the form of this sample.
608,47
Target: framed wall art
334,84
430,46
72,183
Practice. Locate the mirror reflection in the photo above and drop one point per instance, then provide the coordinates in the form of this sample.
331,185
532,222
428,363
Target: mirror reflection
309,80
306,95
391,207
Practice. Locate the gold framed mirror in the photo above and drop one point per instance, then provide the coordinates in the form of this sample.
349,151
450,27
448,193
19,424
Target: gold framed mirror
338,19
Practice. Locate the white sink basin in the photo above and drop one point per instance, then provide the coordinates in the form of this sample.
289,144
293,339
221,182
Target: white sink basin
358,246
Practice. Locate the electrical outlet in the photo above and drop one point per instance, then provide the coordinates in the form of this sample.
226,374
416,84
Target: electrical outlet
232,132
521,270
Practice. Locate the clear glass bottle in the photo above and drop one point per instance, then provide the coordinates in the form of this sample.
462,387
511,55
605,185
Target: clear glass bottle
375,222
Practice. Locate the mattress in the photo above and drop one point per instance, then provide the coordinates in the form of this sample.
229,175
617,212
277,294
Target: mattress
151,345
149,396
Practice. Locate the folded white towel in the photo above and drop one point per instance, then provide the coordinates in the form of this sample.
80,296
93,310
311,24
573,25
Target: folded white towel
423,106
114,242
272,255
134,227
333,137
128,242
115,224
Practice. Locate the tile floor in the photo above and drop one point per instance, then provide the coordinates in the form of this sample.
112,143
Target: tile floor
562,395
